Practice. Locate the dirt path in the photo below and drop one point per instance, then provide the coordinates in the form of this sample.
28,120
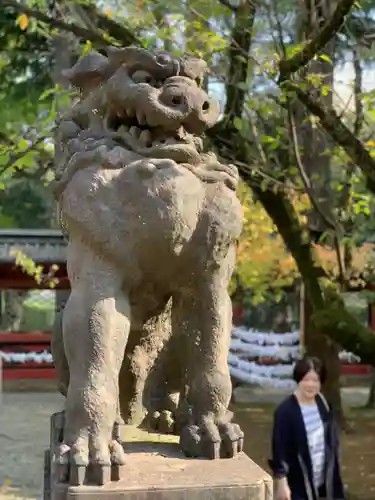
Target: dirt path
351,396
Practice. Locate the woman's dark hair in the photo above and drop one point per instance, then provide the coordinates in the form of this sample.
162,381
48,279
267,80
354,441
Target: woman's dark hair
306,364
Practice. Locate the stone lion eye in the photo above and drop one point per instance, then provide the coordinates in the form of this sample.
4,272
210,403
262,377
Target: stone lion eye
163,59
176,100
143,77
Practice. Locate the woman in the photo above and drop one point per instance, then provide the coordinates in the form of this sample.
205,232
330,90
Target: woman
305,447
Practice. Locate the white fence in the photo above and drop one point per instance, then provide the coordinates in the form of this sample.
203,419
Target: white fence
266,358
260,358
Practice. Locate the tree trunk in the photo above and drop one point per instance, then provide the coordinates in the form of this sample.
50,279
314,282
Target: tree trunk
13,308
317,164
325,349
371,396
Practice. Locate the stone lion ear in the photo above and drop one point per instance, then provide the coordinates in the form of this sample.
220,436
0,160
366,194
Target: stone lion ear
93,67
193,67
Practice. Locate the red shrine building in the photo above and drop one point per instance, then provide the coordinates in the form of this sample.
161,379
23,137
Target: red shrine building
27,308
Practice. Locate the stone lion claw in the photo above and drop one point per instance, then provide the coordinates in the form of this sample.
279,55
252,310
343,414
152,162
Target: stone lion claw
73,465
212,441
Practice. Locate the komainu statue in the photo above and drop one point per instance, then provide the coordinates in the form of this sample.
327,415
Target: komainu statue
152,223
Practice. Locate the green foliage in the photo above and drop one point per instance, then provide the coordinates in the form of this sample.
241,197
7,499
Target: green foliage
26,62
26,204
29,267
23,53
25,66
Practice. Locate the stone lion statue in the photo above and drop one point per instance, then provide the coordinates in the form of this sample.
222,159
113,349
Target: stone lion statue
152,224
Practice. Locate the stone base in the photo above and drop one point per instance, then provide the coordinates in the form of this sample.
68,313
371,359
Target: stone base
159,471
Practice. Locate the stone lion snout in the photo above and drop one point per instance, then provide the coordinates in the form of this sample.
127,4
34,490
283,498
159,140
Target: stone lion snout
182,99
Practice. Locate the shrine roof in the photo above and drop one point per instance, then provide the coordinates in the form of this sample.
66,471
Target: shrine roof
42,245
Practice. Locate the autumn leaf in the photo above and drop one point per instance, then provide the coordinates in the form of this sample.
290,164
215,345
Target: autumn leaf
107,12
23,21
263,262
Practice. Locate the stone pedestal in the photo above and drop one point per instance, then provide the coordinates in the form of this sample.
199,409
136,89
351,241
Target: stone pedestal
159,471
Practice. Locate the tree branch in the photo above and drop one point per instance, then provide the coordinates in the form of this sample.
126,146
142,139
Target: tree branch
348,182
343,136
341,326
14,158
285,218
228,5
340,263
289,66
114,29
329,221
358,77
79,31
238,65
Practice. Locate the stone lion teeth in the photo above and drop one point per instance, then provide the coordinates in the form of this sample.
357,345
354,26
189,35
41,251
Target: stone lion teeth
141,117
130,112
181,133
198,143
146,138
123,129
134,131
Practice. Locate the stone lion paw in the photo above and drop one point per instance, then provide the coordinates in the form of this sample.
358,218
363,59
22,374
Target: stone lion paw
77,466
163,422
212,441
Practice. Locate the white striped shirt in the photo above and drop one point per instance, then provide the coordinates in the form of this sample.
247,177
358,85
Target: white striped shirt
315,437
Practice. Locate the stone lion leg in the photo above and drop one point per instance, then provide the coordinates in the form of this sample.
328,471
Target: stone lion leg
163,386
206,316
96,324
62,366
58,354
146,340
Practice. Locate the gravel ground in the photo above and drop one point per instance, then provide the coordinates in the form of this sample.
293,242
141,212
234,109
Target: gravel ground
351,396
24,435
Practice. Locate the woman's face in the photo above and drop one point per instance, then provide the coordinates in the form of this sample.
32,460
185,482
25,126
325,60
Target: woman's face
310,385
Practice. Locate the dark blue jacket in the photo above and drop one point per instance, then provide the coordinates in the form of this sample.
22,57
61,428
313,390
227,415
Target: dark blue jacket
291,456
